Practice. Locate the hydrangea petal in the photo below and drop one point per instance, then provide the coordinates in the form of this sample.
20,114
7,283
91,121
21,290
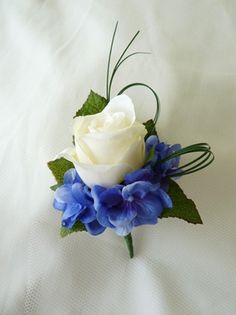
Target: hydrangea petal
150,206
102,217
96,192
136,190
151,141
59,205
165,198
112,196
70,221
125,213
94,228
123,230
63,194
79,195
88,215
71,214
72,209
71,176
143,174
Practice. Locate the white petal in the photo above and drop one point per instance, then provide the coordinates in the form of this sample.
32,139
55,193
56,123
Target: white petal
135,154
103,175
81,123
69,154
121,103
109,148
98,174
84,154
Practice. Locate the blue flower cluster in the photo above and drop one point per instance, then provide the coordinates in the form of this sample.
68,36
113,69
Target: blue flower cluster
139,200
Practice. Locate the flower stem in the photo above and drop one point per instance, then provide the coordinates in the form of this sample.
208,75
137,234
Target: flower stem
129,243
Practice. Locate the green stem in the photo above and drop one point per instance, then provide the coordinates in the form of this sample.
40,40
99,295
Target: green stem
129,243
109,61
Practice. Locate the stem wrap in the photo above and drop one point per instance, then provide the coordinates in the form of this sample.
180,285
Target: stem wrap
129,243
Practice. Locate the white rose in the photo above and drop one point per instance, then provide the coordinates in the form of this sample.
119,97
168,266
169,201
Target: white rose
108,145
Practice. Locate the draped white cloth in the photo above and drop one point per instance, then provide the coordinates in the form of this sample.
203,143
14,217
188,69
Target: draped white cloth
52,53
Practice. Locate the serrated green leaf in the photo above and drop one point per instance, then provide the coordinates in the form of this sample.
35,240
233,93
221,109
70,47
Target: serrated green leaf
150,127
78,227
93,105
183,208
59,167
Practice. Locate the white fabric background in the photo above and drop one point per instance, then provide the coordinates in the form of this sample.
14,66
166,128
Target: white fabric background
52,53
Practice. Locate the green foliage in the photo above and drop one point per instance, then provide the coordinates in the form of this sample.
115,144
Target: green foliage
93,105
150,127
78,227
54,187
183,208
58,168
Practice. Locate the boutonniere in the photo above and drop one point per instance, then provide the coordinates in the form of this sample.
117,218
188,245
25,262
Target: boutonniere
119,174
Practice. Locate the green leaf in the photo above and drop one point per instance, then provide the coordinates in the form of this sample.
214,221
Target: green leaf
54,187
183,208
150,127
59,167
93,105
78,227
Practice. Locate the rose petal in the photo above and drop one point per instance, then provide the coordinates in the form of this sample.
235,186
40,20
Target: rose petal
134,155
102,174
110,147
84,154
121,103
81,123
69,154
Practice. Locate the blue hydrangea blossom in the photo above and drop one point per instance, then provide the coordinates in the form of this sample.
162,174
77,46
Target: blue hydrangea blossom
161,151
74,199
152,171
124,207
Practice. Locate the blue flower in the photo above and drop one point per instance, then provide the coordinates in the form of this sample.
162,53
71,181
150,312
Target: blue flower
152,171
162,150
124,207
74,199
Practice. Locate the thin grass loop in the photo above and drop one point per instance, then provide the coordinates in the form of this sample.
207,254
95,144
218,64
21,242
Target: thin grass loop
196,164
155,95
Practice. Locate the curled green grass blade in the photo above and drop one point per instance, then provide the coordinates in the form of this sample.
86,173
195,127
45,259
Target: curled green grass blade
154,93
205,159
